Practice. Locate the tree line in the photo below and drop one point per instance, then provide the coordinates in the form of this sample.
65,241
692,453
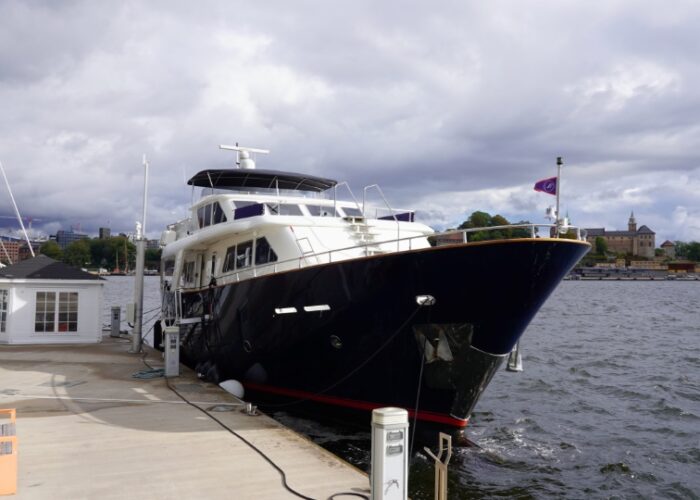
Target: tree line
110,253
484,219
689,251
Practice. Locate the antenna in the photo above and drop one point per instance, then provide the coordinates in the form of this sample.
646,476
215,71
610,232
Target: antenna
244,159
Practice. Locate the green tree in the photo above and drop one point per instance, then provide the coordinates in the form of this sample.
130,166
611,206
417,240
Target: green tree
51,249
476,219
601,246
681,249
693,251
77,253
152,258
483,219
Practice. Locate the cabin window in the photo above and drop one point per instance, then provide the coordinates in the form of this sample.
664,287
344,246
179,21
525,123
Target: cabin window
46,318
188,273
210,214
244,254
204,216
230,259
241,204
352,212
3,309
283,209
264,252
218,216
168,268
321,211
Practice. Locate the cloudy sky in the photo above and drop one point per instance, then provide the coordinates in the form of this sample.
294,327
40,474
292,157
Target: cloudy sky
450,106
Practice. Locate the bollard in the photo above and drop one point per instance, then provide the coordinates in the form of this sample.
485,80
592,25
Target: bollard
389,474
171,337
116,321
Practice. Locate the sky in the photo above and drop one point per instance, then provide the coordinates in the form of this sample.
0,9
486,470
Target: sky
450,107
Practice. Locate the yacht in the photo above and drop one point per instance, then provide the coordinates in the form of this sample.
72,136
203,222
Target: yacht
309,299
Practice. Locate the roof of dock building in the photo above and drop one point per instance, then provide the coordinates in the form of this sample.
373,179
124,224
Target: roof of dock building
43,267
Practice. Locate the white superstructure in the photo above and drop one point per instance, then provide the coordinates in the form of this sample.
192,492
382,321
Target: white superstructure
252,222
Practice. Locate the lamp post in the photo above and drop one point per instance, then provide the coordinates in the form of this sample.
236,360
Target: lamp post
140,240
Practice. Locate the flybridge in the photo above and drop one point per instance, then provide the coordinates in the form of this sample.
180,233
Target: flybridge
259,179
246,176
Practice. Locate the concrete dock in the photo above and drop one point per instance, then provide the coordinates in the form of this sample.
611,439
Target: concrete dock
87,429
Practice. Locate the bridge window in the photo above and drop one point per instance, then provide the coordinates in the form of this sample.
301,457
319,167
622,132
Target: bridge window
321,211
188,273
352,212
264,252
244,254
283,209
210,214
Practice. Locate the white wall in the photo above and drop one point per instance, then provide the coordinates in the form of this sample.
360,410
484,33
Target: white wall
22,310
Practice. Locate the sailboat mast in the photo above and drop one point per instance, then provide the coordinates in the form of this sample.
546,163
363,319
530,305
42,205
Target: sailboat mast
19,217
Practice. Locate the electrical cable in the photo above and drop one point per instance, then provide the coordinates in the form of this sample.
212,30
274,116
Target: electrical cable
349,493
227,428
420,384
251,445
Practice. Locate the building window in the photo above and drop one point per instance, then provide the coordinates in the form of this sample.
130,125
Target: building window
3,309
56,312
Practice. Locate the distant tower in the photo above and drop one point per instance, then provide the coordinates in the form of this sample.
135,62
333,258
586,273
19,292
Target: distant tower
632,224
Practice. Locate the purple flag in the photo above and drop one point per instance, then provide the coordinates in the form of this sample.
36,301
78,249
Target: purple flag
548,186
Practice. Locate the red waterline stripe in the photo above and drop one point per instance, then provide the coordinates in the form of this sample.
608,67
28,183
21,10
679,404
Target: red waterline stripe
352,403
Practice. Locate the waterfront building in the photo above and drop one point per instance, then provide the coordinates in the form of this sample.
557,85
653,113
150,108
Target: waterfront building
637,242
669,249
9,252
43,301
65,238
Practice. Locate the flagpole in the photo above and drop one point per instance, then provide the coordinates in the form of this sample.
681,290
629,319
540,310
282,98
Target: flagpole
559,163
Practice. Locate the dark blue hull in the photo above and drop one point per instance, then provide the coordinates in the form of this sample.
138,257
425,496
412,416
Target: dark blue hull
375,346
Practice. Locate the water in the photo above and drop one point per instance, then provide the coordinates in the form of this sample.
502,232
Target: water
119,290
608,405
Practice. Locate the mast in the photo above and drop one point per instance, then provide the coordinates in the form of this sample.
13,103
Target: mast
19,217
559,219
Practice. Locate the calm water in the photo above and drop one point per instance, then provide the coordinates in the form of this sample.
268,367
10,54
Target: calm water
119,290
608,405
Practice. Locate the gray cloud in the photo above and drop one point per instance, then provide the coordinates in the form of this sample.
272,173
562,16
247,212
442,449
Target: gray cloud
473,100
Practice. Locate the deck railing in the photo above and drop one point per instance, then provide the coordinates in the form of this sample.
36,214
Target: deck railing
407,244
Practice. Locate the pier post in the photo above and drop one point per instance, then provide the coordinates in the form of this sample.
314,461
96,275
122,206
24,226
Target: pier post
389,473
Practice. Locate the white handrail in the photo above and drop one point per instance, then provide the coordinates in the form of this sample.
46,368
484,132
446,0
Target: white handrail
298,262
391,211
352,195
